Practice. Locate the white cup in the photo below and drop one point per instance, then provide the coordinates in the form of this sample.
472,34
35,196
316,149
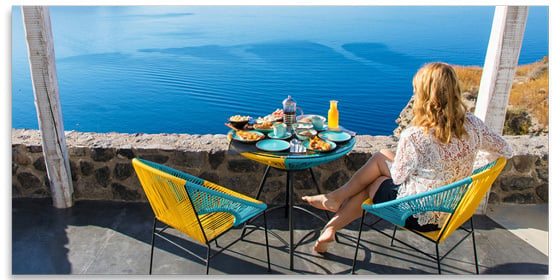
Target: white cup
279,129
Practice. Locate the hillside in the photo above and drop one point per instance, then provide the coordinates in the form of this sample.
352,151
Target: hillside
527,111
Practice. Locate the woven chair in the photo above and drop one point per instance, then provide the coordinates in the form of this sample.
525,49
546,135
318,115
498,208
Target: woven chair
197,208
460,199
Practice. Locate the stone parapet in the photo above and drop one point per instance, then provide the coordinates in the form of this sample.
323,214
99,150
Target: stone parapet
101,166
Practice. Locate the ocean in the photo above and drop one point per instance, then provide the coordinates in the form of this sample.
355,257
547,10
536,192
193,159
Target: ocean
186,69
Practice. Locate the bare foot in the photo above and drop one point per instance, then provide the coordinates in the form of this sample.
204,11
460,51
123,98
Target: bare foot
322,202
322,244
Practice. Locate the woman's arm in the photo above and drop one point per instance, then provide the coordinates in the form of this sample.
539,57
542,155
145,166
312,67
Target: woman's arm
491,142
405,160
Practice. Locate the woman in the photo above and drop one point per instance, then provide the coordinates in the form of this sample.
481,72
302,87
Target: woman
439,147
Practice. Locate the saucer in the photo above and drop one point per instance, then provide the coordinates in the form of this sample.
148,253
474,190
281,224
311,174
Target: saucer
273,136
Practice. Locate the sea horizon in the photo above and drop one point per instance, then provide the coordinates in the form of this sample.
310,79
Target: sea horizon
160,69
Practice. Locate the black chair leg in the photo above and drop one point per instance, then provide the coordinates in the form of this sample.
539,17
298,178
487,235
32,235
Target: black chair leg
393,238
474,247
438,260
208,250
152,250
216,241
358,242
266,240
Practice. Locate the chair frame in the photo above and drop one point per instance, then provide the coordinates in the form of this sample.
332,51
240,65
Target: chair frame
437,258
209,255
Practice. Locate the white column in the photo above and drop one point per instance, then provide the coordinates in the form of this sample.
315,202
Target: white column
501,61
40,48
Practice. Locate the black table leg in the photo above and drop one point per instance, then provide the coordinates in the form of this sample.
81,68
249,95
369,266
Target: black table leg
263,181
290,220
287,193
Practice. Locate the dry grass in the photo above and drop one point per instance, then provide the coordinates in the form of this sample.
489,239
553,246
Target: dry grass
469,77
526,94
532,95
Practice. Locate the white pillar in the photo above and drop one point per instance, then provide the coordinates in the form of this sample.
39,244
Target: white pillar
40,46
501,61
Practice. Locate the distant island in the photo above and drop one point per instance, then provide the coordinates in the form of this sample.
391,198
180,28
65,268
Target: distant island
527,111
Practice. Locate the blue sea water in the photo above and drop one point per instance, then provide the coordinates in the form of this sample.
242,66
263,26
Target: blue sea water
186,69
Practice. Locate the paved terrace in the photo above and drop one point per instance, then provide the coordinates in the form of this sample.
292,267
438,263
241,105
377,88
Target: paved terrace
97,237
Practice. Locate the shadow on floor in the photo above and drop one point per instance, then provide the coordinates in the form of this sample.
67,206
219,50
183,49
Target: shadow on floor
96,237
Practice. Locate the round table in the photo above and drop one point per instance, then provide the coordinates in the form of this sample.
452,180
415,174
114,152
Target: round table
290,162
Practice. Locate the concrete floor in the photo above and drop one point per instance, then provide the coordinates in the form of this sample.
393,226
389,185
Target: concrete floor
528,222
114,238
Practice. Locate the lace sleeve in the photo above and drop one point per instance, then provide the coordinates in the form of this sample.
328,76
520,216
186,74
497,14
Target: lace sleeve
491,142
406,159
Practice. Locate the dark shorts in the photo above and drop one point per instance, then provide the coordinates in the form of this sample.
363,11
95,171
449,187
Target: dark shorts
388,191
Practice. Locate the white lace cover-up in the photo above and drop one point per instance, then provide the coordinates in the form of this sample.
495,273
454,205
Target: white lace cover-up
423,163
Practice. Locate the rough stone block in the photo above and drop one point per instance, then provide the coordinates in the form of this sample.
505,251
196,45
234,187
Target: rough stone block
524,164
86,167
493,198
122,171
355,161
74,171
121,192
216,158
516,183
77,151
542,192
210,176
243,166
28,181
335,180
102,154
19,156
520,198
155,158
39,164
125,153
102,176
35,149
189,159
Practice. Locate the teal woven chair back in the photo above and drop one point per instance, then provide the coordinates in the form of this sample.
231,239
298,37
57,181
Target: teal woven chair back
207,197
444,199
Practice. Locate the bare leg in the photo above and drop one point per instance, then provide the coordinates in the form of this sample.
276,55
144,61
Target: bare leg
375,167
348,212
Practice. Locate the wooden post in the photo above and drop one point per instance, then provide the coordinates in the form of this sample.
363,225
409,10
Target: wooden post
40,46
500,65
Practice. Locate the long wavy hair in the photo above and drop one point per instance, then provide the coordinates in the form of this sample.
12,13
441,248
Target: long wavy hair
438,104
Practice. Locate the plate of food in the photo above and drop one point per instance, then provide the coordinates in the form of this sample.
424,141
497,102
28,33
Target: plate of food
309,118
276,116
249,136
319,145
273,145
335,136
262,125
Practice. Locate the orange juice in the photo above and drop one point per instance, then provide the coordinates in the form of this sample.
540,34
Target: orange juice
333,115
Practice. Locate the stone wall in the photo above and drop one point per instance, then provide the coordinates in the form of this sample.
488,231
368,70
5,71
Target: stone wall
102,170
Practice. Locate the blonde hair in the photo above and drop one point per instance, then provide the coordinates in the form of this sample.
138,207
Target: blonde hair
437,102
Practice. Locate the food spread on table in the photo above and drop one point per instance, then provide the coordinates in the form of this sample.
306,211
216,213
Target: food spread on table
303,128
